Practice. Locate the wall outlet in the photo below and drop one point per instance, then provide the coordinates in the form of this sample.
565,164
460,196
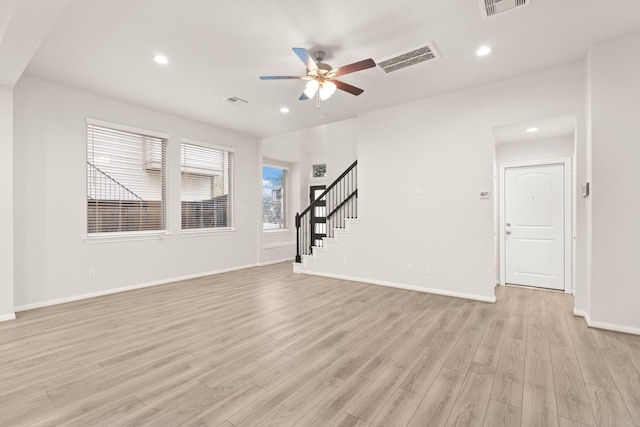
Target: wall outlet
429,269
418,172
418,190
92,273
344,261
230,254
409,268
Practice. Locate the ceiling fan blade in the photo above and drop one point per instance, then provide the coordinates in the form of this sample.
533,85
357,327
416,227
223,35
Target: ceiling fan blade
280,77
305,58
348,88
303,97
352,68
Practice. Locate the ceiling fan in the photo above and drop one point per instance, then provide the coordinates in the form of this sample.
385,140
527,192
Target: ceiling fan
321,76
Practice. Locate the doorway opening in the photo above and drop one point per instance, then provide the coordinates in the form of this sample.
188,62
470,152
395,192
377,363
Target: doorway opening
534,207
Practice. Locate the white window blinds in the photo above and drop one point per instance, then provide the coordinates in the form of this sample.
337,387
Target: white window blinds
125,180
206,190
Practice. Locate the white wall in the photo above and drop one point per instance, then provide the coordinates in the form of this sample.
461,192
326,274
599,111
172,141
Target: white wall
615,139
52,258
6,203
538,149
333,144
342,147
448,227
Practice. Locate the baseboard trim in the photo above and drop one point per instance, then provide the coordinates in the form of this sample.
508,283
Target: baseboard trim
403,286
7,317
612,327
605,325
279,261
579,313
128,288
278,245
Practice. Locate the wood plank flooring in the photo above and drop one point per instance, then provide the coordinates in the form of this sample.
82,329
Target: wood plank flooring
266,347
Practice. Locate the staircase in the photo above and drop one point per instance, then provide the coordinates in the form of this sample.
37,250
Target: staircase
338,204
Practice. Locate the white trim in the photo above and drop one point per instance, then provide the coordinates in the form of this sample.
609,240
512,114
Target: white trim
126,237
125,128
275,164
276,230
605,325
568,216
7,317
202,232
278,245
278,261
128,288
207,145
579,313
401,286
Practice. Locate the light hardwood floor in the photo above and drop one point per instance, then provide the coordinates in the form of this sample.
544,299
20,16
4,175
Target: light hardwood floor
264,346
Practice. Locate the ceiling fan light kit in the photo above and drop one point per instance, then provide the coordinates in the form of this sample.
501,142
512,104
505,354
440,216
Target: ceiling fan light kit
327,89
321,76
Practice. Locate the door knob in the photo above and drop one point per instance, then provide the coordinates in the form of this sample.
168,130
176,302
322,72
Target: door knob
508,231
508,224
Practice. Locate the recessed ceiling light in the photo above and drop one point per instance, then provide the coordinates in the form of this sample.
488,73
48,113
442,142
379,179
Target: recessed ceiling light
483,51
284,110
161,59
531,130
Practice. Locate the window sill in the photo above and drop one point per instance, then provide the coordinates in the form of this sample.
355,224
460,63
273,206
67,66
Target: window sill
279,230
126,237
206,232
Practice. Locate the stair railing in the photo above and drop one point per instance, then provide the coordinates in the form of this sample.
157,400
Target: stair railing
341,199
104,187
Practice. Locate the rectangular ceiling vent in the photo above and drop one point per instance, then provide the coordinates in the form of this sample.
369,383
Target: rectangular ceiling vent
408,59
491,8
236,100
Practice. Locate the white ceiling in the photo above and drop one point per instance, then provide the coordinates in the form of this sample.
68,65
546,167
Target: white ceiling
218,49
554,127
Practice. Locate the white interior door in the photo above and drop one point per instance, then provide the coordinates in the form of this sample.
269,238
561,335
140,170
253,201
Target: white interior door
534,225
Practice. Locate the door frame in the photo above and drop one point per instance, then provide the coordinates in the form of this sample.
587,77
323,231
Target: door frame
568,214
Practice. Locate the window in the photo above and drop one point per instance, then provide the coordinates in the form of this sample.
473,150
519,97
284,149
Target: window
205,186
319,171
274,197
125,179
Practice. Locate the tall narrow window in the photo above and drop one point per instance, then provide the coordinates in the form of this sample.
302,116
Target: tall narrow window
125,179
274,198
206,186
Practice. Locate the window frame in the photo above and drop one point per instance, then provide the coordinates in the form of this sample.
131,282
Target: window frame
286,194
120,236
194,232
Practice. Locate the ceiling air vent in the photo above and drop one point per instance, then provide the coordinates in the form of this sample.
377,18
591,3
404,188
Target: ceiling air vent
408,59
235,100
491,8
